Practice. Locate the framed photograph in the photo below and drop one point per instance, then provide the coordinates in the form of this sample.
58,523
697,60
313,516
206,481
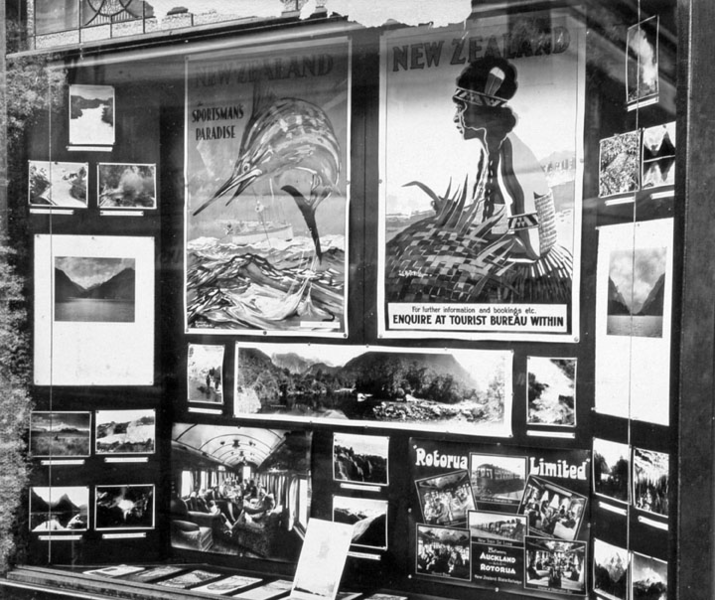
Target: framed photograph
497,479
501,529
228,585
634,291
443,552
651,475
268,171
191,578
126,186
611,469
658,158
368,518
61,434
204,373
124,507
459,391
649,578
611,565
555,566
642,66
88,290
619,164
125,431
361,459
262,506
59,509
446,499
454,262
551,510
551,391
57,184
92,115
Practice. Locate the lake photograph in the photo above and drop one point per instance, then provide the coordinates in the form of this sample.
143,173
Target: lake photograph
636,286
95,289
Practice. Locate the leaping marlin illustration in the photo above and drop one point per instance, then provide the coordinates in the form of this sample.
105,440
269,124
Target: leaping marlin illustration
285,134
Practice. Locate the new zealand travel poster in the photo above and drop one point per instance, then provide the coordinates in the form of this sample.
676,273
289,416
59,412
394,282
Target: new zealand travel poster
481,180
94,310
633,320
457,391
267,166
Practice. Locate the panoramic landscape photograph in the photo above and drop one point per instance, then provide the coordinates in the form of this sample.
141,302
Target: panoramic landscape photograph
461,391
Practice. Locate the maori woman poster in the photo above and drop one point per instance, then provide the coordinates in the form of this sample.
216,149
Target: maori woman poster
481,170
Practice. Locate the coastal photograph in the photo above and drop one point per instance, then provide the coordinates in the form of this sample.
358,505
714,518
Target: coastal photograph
60,434
91,115
361,459
95,289
57,184
636,292
460,391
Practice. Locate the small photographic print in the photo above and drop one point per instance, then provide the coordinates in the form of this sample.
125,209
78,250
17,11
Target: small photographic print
368,518
611,468
650,481
115,571
443,552
610,570
636,292
659,156
91,115
205,373
186,580
497,528
551,391
649,578
227,585
551,510
619,167
361,458
57,184
126,186
124,507
642,82
95,289
60,434
125,431
59,508
555,566
267,591
497,479
446,499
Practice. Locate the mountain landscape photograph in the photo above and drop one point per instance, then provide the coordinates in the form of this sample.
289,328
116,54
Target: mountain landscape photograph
650,578
126,431
95,289
58,508
610,570
465,391
59,434
636,292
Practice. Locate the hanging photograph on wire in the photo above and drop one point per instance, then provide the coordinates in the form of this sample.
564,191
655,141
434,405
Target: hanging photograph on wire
651,475
611,469
649,577
61,434
619,164
480,212
59,509
642,63
611,565
268,171
658,160
92,111
57,184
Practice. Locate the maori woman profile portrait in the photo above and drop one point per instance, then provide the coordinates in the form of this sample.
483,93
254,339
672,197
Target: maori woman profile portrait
494,241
